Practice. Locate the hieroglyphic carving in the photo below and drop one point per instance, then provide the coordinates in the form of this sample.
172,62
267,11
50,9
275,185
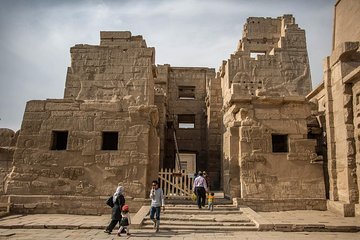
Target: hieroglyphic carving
72,172
295,39
292,84
281,69
85,188
82,142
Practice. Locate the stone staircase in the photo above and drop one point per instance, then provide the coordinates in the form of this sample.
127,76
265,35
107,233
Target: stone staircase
225,217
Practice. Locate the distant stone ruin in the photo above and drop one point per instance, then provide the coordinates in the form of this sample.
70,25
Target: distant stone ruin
271,59
268,157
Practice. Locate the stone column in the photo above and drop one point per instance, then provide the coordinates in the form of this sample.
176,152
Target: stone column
356,109
231,173
330,131
341,142
234,169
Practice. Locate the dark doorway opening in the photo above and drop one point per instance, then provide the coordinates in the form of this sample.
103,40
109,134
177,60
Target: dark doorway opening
110,141
59,140
279,143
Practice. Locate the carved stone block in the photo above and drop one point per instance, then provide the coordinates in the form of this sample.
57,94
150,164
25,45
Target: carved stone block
73,173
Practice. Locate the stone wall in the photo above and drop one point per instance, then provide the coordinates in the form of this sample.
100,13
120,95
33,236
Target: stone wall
190,91
341,116
161,86
120,69
271,59
84,169
256,172
214,128
274,205
190,140
8,140
72,153
161,101
346,25
338,96
263,106
269,175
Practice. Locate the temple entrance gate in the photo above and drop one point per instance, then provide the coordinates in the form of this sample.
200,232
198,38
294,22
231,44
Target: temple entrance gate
176,184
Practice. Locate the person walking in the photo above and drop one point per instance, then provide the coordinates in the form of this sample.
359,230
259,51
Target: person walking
211,199
119,201
200,188
157,201
125,221
207,179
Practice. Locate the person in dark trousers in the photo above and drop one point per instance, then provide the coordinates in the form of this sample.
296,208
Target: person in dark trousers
119,201
207,179
157,201
200,188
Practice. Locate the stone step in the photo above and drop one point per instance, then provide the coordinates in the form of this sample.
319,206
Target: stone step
203,218
185,217
195,208
186,206
218,201
203,228
202,211
198,223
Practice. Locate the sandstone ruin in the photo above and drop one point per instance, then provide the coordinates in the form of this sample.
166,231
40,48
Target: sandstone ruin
249,125
338,99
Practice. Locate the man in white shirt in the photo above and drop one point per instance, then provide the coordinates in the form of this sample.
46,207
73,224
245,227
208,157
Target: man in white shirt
200,188
157,201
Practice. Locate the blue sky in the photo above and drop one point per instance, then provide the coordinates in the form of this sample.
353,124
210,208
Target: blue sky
36,37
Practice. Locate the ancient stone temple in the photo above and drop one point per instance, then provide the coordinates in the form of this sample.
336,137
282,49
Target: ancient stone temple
338,105
181,96
72,152
249,126
268,158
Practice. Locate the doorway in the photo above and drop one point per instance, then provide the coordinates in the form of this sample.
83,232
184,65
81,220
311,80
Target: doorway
188,162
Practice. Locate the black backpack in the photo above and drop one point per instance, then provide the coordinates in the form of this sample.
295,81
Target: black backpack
110,202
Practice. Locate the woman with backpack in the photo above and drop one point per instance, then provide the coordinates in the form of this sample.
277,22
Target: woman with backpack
118,201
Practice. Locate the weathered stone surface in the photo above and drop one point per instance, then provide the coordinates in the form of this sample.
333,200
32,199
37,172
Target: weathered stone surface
73,173
248,125
263,97
122,74
340,95
110,34
61,149
7,137
281,54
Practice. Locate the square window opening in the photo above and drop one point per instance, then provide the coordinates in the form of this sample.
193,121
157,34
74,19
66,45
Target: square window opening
59,140
186,92
186,125
186,121
257,54
279,143
110,140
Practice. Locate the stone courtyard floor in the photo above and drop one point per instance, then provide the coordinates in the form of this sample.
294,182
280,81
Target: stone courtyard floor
61,226
83,234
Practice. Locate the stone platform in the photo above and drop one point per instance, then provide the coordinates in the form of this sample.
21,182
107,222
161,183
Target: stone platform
289,221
